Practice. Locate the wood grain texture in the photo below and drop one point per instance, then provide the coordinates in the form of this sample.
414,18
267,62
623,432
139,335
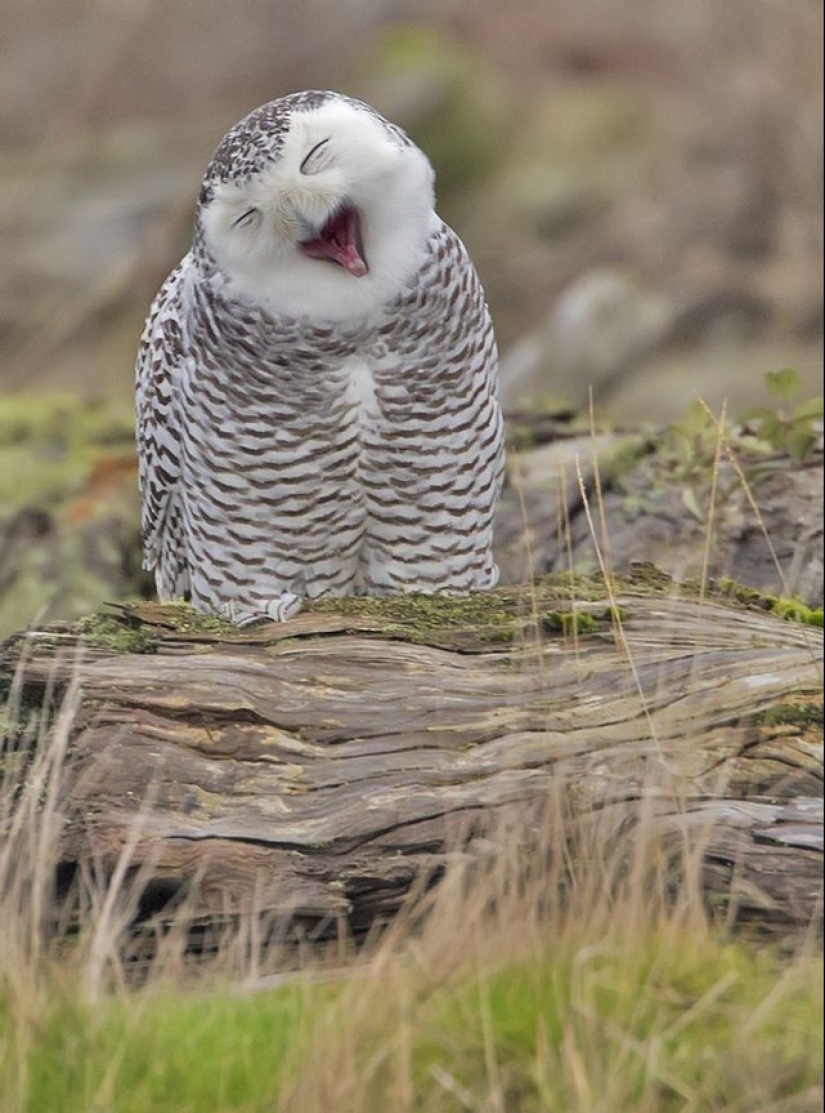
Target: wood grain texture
314,769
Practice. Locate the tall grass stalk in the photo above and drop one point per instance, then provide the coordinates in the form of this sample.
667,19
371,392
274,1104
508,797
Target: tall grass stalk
563,963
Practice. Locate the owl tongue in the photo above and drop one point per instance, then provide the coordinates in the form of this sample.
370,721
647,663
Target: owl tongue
339,241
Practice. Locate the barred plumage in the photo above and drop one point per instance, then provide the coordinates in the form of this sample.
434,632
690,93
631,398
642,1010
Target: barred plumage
317,381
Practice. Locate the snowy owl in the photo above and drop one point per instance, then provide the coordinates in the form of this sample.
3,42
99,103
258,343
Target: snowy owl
317,394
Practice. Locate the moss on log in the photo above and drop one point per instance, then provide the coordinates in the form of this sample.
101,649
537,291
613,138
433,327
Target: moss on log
314,769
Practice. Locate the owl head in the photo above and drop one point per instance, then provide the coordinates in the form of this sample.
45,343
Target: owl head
314,205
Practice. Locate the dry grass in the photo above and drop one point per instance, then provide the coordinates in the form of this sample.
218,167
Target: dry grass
558,965
557,968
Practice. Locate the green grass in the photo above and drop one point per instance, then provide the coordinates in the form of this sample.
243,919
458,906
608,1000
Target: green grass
669,1019
169,1051
668,1024
591,986
567,972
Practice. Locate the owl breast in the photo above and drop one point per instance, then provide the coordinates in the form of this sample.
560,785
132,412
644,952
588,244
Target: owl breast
272,460
340,473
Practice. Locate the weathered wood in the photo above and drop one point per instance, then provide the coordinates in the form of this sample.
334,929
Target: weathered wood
752,517
314,769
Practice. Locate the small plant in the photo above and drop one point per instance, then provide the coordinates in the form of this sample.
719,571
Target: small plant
694,447
692,444
794,428
690,454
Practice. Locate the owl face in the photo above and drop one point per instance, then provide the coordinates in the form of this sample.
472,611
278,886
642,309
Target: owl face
332,219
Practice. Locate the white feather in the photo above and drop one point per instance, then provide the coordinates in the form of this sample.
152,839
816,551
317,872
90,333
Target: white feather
390,185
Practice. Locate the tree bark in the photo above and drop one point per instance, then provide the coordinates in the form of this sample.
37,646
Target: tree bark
314,770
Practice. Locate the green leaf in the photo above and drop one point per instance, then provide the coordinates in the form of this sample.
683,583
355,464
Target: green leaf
813,408
759,414
800,441
782,384
772,430
691,504
754,445
695,421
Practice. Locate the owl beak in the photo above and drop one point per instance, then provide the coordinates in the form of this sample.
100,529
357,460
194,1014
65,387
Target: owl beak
339,241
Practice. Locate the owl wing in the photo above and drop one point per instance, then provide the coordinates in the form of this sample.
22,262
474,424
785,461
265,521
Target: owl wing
161,358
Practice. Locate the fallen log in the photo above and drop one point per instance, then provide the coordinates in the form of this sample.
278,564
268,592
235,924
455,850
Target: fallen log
314,770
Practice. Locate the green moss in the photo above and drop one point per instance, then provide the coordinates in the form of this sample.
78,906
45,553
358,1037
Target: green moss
647,578
730,589
68,506
566,604
133,628
107,631
484,607
794,610
562,603
569,623
48,444
489,616
179,616
138,627
804,715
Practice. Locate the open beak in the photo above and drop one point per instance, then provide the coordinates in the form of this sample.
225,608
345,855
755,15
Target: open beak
339,241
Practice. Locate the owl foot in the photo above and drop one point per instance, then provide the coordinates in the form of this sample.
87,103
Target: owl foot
278,609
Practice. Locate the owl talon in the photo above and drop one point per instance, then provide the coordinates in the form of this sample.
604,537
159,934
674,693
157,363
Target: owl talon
278,609
283,607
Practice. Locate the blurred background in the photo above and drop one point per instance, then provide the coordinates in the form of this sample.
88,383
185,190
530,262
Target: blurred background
640,185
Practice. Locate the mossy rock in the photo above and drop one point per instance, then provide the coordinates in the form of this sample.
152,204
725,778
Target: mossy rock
68,506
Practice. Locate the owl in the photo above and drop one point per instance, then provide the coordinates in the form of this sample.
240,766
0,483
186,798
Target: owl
317,398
